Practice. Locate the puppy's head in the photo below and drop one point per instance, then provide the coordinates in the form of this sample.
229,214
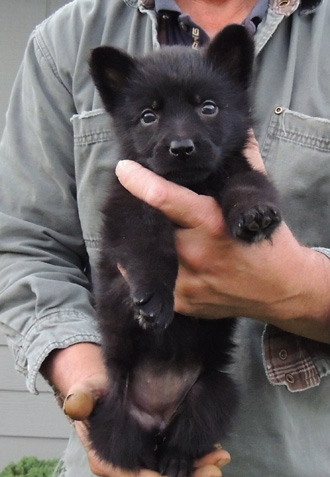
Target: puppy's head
179,111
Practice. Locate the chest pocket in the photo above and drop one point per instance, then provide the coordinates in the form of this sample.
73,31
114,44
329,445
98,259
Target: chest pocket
297,155
96,154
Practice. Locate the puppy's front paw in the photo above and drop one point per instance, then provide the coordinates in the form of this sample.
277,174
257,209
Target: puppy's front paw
155,309
256,223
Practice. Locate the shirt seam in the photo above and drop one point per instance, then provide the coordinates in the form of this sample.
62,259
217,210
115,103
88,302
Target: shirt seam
45,53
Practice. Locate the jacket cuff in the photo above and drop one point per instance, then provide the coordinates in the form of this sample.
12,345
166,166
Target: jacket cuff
294,361
55,331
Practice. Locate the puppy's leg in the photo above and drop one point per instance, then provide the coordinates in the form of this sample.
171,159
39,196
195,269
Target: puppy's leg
141,240
203,419
119,439
250,206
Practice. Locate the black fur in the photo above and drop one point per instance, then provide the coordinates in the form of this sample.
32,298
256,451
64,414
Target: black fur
185,115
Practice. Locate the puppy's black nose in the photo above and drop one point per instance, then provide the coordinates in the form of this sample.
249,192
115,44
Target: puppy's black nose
182,147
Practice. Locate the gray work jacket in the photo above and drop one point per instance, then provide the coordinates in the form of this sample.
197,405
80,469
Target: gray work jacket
55,156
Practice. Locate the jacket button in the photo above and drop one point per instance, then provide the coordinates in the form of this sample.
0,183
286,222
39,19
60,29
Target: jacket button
278,110
283,354
283,3
289,378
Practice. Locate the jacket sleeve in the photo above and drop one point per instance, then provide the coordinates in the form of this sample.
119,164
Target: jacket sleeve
45,296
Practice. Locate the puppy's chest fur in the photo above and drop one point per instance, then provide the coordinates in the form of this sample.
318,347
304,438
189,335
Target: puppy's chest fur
155,392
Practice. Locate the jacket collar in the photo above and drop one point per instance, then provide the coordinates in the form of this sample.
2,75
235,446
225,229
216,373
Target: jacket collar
285,7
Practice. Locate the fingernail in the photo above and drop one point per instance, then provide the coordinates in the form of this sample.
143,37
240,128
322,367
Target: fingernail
69,396
222,462
122,164
79,405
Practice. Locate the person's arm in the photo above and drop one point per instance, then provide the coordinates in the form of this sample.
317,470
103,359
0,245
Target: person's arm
45,297
279,281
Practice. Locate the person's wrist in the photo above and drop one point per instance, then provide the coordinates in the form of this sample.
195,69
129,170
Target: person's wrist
305,307
63,368
78,377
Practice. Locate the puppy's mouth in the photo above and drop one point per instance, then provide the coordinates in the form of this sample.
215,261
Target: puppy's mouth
191,175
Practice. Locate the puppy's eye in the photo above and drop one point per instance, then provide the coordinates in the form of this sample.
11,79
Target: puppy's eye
148,116
209,108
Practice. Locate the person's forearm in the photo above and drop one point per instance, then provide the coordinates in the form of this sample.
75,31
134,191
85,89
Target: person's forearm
301,303
308,312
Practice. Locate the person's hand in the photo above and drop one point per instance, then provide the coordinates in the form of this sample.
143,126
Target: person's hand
215,271
78,372
277,281
78,405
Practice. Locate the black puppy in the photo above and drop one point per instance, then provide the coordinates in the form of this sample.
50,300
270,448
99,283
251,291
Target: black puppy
184,114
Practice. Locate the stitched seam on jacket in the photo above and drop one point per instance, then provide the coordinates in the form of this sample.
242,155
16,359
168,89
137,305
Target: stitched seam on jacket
93,137
295,137
44,51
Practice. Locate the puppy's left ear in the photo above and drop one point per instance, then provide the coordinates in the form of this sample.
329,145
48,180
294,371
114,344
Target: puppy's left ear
110,69
233,50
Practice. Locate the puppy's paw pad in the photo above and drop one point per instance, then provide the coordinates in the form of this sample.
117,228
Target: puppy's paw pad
256,223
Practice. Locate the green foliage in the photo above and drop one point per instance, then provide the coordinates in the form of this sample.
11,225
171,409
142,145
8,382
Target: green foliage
30,467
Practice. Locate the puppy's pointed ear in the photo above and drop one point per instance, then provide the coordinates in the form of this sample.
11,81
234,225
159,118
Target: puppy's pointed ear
110,69
233,50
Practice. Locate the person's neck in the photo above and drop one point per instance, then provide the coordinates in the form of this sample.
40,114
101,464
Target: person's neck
214,15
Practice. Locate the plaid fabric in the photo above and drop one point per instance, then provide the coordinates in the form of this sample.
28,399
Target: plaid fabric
288,359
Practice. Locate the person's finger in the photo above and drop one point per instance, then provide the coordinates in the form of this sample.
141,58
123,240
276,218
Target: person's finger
79,404
81,397
219,457
181,205
208,471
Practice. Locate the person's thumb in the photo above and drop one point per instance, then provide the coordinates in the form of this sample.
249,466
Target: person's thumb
82,396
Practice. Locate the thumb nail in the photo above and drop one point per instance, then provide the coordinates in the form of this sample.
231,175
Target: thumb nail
78,405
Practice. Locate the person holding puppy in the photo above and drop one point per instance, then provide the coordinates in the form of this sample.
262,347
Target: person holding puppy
57,140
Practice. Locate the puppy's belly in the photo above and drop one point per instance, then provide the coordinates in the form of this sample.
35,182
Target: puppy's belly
154,393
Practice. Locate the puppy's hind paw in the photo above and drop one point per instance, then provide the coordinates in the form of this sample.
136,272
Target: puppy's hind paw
175,466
